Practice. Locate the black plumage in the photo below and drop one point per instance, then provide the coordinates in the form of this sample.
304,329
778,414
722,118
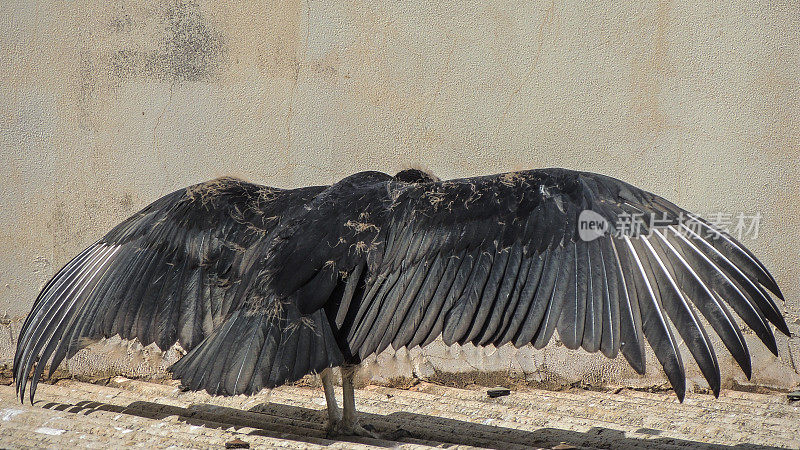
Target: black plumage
262,286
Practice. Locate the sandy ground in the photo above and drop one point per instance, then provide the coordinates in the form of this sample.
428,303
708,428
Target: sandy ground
142,414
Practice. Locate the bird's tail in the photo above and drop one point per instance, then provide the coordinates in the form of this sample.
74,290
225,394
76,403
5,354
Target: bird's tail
251,351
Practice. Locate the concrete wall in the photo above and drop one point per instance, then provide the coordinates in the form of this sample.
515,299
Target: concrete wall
105,106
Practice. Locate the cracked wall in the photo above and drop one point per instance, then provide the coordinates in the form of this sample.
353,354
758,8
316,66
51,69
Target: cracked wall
105,106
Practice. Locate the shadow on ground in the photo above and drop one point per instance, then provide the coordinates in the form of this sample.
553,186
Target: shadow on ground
308,425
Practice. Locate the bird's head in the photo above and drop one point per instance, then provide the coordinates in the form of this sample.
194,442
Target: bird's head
415,175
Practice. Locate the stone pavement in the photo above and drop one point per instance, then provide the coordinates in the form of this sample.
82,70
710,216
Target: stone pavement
149,415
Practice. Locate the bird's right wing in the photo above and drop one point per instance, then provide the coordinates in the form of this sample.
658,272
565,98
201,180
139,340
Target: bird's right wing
180,270
499,259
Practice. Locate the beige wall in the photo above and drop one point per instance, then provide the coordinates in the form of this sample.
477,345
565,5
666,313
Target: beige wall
104,106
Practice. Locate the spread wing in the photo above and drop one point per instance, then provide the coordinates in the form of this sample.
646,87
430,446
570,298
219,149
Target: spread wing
181,270
498,259
263,286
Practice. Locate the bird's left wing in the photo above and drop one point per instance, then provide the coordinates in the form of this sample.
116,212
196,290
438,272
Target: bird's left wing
499,259
182,270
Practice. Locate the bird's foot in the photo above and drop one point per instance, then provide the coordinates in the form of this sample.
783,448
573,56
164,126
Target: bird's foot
344,427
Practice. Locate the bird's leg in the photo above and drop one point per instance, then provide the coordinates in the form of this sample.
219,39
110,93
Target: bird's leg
342,422
348,395
334,413
349,424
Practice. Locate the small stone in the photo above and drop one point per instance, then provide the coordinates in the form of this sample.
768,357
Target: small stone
498,391
564,446
237,443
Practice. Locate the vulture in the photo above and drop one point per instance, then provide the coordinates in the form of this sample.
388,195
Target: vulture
261,286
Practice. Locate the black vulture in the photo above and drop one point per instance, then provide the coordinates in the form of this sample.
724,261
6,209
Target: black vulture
262,286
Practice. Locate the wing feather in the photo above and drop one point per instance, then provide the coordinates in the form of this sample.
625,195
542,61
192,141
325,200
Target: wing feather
421,273
563,283
727,289
414,318
451,292
487,303
524,291
573,318
631,333
682,315
503,301
709,304
610,338
430,317
654,322
743,259
750,287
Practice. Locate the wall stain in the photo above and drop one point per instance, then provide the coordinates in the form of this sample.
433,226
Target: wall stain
327,67
87,89
293,90
280,60
188,50
126,201
648,70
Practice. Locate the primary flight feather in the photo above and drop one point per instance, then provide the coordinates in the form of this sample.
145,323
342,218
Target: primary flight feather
262,286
